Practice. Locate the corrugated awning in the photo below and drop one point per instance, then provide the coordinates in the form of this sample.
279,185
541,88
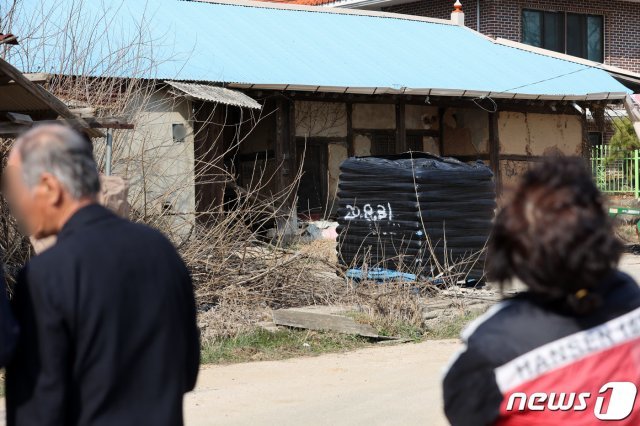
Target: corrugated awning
217,94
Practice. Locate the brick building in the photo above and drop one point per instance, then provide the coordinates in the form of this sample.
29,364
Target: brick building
601,30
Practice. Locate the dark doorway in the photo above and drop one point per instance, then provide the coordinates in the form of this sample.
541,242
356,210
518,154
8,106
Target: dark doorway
313,183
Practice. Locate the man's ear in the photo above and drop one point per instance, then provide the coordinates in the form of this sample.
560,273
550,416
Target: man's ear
50,189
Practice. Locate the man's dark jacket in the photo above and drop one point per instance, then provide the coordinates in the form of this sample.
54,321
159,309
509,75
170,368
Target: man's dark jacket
108,328
8,327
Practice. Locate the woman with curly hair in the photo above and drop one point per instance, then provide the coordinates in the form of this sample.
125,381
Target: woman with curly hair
566,350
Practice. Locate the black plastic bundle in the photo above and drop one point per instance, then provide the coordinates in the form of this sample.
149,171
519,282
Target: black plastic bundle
398,212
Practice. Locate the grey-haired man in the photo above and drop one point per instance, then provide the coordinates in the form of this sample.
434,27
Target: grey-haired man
107,315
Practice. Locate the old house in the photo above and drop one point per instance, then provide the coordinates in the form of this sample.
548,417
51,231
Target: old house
272,89
602,33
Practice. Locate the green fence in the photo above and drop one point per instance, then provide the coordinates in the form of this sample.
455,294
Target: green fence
616,171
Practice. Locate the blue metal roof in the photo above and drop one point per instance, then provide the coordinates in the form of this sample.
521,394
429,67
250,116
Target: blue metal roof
258,44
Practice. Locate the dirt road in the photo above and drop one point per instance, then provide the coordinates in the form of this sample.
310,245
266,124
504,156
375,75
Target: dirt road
395,385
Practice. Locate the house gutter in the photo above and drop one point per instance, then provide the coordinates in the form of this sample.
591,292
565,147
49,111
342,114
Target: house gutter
458,93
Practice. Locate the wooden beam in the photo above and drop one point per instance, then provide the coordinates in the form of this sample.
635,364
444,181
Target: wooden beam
472,157
508,157
279,148
256,156
18,118
316,320
109,123
8,39
423,132
401,129
441,130
37,77
91,123
515,105
83,112
54,103
350,147
291,140
388,132
586,143
323,139
8,129
494,150
520,157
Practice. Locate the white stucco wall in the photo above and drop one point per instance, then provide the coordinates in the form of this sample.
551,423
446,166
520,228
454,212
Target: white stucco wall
160,171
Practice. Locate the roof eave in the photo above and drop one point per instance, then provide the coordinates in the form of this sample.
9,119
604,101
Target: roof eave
363,4
620,72
457,93
320,9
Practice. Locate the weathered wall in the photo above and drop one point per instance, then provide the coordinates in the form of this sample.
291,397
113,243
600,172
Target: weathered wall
160,172
321,119
421,117
337,154
317,120
258,134
511,172
258,165
465,131
374,116
361,145
430,145
539,134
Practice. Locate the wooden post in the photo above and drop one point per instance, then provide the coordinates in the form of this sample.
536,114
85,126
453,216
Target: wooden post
208,162
285,139
294,167
586,145
494,150
291,140
441,130
280,141
350,147
401,130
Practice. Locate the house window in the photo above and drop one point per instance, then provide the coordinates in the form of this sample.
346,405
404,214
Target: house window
383,144
414,143
575,34
179,132
585,36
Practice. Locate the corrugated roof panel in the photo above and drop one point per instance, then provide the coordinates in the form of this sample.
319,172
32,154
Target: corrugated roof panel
210,93
261,45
